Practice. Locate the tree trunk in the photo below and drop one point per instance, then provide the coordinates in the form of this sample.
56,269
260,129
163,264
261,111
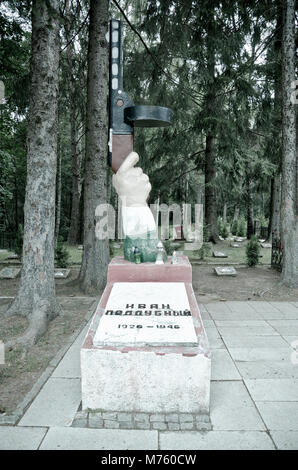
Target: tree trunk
210,151
76,154
210,191
36,298
59,189
289,215
274,222
96,252
224,215
249,208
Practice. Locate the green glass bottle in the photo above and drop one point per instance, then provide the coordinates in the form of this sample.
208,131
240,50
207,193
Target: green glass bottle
137,255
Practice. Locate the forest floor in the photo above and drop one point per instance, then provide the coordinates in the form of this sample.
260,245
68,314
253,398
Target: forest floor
19,372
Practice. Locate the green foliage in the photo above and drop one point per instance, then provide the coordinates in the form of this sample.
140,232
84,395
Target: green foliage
168,247
225,231
241,232
205,250
234,227
61,254
220,225
252,251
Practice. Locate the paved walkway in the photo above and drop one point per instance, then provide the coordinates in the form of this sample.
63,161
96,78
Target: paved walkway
254,390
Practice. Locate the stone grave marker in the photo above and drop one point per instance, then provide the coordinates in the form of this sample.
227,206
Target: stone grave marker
266,245
61,273
225,271
9,273
235,245
155,314
219,254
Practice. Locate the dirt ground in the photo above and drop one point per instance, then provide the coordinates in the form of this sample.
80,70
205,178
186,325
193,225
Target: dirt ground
259,283
20,372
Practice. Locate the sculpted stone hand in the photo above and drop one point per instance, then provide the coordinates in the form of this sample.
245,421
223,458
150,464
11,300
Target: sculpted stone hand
131,184
133,188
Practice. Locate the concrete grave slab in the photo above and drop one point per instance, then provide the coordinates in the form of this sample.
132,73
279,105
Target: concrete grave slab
9,273
266,245
225,271
141,375
61,273
146,314
235,245
219,254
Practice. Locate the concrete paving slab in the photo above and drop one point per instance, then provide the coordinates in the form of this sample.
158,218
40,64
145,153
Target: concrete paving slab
285,440
239,315
60,438
216,440
279,315
222,366
55,405
217,307
273,342
239,306
279,416
293,342
215,341
266,330
240,323
16,438
69,366
267,370
205,316
273,389
261,306
232,409
285,327
261,354
285,307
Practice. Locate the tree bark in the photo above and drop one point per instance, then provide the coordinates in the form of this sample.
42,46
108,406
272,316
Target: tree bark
210,152
76,154
289,215
210,191
59,189
96,252
36,298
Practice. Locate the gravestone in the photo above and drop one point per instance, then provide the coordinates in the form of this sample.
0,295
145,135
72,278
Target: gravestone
61,273
9,273
225,271
150,314
266,245
235,245
219,254
239,239
146,350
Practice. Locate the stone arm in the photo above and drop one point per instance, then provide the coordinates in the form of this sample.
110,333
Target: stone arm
133,188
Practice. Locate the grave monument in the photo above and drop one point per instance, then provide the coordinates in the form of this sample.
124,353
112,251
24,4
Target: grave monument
146,350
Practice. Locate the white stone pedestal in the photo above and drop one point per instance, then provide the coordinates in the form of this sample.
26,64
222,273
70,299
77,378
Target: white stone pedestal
146,349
